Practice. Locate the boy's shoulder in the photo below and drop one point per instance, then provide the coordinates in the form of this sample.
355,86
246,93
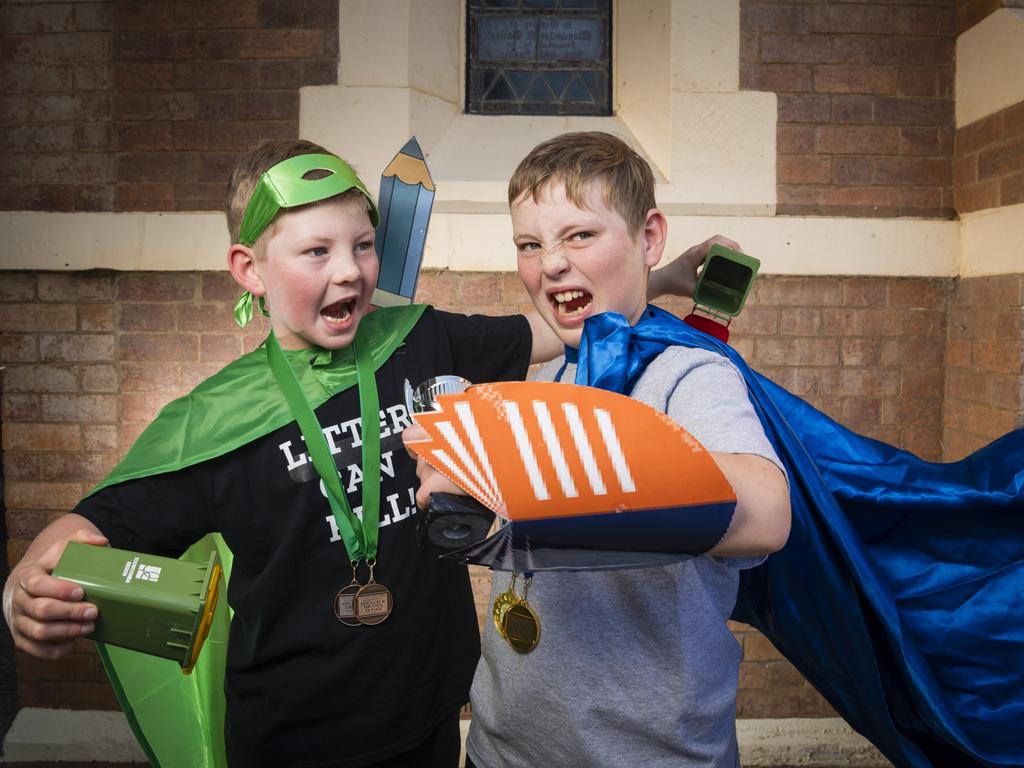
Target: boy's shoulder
711,372
242,402
678,361
671,364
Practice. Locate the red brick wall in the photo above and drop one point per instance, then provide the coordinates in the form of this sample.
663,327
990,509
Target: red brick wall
91,357
131,106
989,167
865,93
146,105
984,390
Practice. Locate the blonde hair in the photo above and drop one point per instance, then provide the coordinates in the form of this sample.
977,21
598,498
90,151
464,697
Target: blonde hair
576,159
246,176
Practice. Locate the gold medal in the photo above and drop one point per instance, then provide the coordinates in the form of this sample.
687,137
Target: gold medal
344,610
372,604
521,625
502,603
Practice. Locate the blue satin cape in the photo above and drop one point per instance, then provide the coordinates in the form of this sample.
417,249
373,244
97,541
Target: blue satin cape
900,593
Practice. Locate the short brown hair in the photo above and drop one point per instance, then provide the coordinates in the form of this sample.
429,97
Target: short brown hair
575,159
247,174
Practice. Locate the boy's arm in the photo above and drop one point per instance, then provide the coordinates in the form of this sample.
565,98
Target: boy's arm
760,524
46,614
675,279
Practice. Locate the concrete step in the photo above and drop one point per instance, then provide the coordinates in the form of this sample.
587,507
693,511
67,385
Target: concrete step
64,738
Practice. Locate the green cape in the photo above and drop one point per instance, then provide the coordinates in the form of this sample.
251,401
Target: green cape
179,719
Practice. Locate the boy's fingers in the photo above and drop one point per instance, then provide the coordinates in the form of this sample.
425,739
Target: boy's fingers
46,609
723,240
44,650
89,537
40,583
432,481
49,559
413,434
54,631
36,636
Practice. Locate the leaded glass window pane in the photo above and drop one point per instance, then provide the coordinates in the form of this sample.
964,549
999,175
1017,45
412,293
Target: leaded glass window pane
538,57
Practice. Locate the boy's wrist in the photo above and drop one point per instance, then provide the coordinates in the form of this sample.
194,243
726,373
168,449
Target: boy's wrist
655,285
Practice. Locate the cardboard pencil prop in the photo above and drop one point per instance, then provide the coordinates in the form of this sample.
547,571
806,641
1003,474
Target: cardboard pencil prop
156,605
406,197
583,478
721,290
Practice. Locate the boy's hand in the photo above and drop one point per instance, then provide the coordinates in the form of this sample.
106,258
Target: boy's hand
431,481
46,614
680,277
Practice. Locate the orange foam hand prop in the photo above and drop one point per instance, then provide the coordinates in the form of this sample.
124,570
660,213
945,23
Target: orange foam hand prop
563,463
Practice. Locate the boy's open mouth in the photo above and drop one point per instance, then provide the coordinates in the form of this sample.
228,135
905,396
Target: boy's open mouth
571,303
339,311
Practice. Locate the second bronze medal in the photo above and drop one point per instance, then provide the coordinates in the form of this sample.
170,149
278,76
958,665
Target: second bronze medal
373,602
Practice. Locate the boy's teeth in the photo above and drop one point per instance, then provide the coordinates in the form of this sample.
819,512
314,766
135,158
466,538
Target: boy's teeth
568,304
339,313
563,312
568,296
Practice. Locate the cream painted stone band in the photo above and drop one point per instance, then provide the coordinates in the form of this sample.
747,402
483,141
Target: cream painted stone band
483,242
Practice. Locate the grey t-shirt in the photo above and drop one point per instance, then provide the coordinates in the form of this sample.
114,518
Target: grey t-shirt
633,667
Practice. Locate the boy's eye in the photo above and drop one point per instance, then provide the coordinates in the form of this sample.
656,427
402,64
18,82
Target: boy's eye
365,246
318,251
529,246
582,236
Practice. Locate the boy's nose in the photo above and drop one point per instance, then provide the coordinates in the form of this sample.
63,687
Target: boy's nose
553,261
344,270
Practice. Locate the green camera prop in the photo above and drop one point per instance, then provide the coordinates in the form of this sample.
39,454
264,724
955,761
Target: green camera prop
156,605
721,290
725,281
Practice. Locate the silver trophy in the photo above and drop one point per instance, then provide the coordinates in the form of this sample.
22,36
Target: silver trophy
450,521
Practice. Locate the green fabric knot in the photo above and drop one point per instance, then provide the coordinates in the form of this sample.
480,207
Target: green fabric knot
243,309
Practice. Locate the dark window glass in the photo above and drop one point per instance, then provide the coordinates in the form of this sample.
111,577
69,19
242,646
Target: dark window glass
538,57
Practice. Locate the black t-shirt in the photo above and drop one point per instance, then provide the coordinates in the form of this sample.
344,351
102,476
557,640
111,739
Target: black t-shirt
302,688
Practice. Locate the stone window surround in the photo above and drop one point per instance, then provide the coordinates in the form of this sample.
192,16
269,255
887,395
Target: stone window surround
676,99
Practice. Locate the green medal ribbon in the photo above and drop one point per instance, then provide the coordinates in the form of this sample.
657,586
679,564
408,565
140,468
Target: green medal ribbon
360,537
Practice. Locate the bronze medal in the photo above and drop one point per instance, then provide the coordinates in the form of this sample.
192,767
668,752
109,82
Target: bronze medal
372,604
344,608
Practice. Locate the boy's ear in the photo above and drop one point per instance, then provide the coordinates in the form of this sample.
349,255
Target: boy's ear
243,267
654,234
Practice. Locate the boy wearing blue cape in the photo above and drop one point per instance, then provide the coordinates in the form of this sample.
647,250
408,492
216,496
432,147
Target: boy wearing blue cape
350,644
897,593
632,667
